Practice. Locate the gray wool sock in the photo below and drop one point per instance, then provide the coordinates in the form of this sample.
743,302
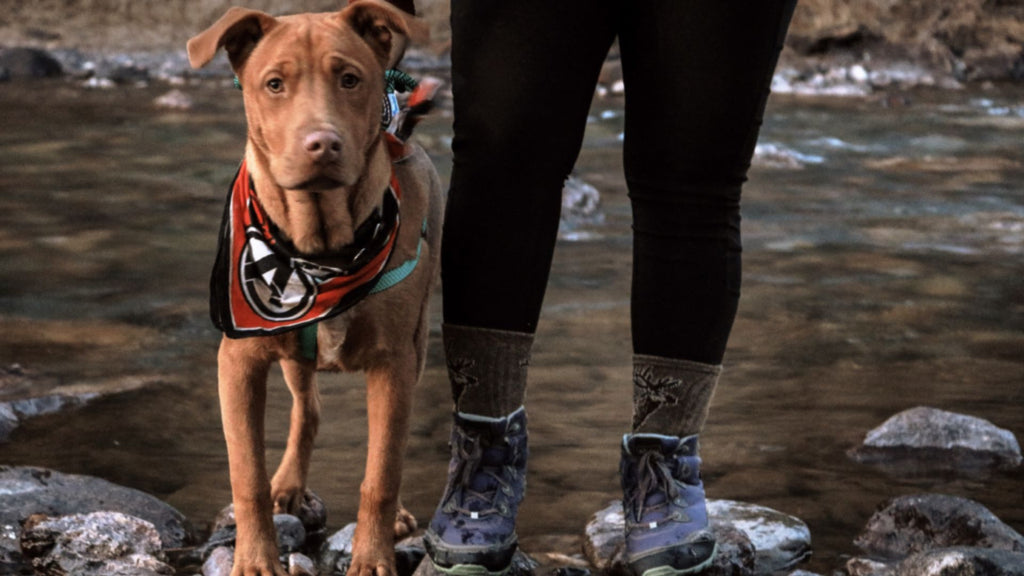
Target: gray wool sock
671,396
486,368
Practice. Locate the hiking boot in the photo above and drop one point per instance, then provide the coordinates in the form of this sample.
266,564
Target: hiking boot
473,532
663,503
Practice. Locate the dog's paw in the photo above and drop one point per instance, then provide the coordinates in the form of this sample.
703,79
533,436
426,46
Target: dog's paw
257,567
405,523
372,565
287,497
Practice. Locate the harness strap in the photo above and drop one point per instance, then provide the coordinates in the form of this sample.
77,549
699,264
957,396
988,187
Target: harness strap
390,279
393,277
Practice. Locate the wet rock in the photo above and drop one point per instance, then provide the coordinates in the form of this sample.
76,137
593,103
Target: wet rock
291,536
10,549
300,565
220,562
29,395
868,567
336,551
736,553
99,83
965,561
312,513
752,539
581,206
129,74
774,155
910,524
408,556
29,63
174,100
603,542
25,491
945,438
8,420
781,541
13,412
96,544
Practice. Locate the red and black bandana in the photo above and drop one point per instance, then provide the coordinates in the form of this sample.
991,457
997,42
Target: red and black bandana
260,286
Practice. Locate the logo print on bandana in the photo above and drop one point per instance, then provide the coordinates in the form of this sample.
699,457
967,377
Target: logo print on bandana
275,290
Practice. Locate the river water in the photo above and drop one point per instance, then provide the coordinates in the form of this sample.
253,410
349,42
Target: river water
884,269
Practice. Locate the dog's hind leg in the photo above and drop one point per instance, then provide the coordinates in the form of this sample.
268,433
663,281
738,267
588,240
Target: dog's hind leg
289,483
388,403
242,382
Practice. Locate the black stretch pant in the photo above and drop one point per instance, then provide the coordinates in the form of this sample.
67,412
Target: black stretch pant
697,75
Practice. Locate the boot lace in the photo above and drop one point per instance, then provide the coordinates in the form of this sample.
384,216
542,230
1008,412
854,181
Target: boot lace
654,476
469,451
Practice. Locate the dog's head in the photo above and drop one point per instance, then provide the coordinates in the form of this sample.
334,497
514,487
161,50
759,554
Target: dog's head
313,86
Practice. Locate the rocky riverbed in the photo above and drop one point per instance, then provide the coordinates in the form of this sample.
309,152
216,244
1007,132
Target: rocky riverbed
55,524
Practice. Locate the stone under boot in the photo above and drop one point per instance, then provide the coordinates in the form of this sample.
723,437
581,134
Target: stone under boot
664,506
473,532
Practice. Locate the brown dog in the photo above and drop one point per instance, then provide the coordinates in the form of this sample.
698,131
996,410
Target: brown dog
319,167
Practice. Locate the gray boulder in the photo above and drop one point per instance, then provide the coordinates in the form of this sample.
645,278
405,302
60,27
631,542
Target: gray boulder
96,544
908,525
25,491
781,541
751,539
946,439
963,561
220,562
29,63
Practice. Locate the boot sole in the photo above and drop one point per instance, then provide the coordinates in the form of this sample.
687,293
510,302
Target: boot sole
670,571
469,570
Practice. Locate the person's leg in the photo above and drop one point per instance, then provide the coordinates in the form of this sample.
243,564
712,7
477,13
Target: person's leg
523,76
697,77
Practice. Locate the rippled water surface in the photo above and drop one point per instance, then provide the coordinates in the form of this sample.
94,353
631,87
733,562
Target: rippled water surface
884,257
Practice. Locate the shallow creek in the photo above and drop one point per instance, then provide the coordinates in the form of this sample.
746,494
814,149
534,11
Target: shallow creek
884,269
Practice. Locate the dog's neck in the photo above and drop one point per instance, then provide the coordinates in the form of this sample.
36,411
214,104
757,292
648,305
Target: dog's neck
321,222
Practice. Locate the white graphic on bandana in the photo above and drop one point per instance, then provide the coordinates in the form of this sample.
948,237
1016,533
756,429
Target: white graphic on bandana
275,290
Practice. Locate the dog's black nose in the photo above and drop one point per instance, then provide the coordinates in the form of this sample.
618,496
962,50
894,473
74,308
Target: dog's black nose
323,145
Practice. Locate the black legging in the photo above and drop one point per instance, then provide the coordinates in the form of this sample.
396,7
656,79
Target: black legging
697,75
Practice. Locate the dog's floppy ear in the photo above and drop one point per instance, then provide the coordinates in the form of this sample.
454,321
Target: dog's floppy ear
385,28
238,31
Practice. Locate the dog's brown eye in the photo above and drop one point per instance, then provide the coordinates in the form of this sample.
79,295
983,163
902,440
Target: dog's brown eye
349,81
275,85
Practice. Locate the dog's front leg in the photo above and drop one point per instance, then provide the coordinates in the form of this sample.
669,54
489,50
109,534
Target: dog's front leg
242,383
388,399
288,485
